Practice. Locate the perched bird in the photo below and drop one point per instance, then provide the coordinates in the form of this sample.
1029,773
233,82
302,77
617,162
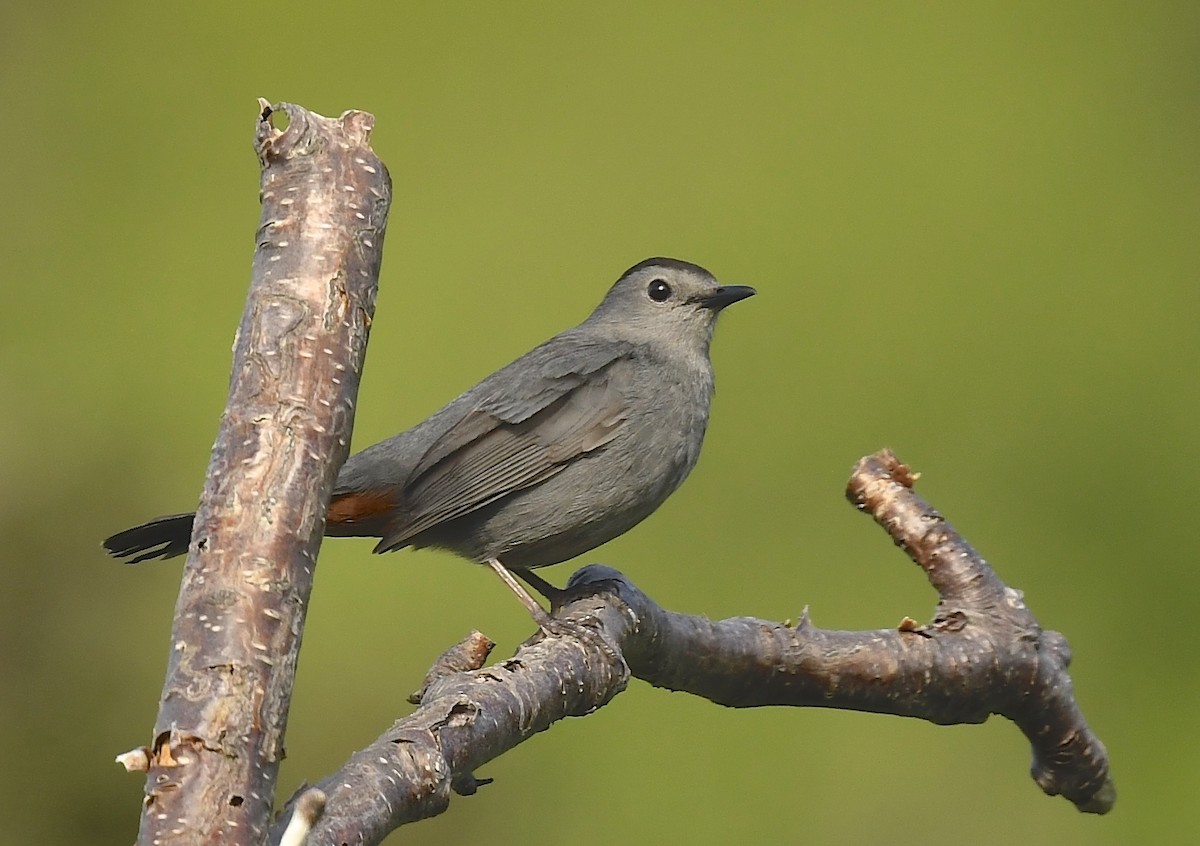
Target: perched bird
571,445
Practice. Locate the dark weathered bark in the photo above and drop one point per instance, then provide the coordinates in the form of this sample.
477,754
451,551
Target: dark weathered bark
469,718
985,640
218,739
982,654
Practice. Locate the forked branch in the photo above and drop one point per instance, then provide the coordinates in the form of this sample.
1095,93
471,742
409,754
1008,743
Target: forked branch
983,653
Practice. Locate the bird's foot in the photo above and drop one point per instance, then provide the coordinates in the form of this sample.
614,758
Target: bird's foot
549,625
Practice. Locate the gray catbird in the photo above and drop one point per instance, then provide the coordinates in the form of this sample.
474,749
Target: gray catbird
566,448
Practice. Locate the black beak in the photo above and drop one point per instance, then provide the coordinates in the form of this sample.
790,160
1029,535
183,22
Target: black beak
725,295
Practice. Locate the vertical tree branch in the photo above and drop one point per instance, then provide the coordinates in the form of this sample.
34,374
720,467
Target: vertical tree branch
284,434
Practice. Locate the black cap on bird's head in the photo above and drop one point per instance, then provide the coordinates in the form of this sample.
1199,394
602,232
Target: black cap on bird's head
660,293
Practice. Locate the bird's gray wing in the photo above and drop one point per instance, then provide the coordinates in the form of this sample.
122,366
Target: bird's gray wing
529,421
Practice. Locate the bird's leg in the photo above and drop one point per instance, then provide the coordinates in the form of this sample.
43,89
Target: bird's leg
550,626
558,597
552,593
536,611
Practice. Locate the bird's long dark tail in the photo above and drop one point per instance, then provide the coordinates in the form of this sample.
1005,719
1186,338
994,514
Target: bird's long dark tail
162,537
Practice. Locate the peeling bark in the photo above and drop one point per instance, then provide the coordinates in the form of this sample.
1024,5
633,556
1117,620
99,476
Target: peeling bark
218,739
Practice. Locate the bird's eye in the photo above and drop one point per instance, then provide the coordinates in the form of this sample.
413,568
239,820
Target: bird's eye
658,290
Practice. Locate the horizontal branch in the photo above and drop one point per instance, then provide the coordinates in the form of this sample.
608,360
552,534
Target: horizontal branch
982,654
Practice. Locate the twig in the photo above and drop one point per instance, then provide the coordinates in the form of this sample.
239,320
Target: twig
305,813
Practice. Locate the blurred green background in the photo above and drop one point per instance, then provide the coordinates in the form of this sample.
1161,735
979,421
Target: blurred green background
974,230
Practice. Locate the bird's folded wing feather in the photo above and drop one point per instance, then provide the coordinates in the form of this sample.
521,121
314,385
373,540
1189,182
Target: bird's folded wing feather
555,409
